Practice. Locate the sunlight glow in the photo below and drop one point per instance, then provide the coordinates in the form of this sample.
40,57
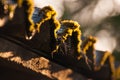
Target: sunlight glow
57,5
2,21
105,42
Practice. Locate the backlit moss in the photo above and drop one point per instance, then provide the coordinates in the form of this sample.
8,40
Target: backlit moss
19,2
103,59
71,28
88,49
47,13
106,54
90,41
30,10
112,65
117,73
28,6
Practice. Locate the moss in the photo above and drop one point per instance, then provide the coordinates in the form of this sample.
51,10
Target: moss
27,9
90,41
112,66
9,8
12,10
28,6
47,13
19,2
88,49
57,27
105,56
71,28
30,10
117,73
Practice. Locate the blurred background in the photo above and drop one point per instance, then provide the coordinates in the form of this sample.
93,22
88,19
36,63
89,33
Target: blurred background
100,18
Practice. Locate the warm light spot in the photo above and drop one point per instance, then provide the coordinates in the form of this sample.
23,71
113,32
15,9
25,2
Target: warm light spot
105,42
2,21
16,59
6,54
57,5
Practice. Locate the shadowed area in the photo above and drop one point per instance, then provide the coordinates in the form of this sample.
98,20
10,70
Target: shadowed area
13,71
21,64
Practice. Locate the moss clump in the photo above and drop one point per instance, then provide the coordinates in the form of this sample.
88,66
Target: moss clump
28,6
89,42
102,60
47,13
71,27
88,47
